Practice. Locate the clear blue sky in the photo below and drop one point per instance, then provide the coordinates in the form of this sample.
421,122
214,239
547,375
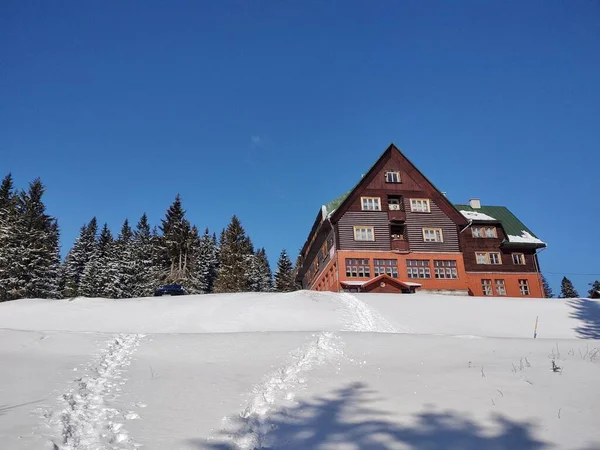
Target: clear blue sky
267,109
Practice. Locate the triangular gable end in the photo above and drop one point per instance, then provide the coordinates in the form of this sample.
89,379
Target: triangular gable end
412,176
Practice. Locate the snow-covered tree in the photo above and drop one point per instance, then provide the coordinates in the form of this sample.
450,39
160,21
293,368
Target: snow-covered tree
261,277
100,277
177,241
9,240
124,258
37,264
235,255
205,263
78,257
547,289
567,290
284,275
594,289
145,276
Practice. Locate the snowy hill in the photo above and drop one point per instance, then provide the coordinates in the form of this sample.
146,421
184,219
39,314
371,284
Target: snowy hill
304,370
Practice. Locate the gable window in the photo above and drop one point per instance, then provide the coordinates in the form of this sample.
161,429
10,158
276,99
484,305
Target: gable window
357,268
389,266
488,258
364,233
433,235
445,269
486,285
524,287
518,259
500,287
418,268
392,177
371,203
419,205
484,232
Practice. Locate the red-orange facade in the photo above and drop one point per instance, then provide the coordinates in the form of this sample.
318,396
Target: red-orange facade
395,222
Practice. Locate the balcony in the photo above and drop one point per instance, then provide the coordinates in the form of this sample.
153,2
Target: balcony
396,215
399,244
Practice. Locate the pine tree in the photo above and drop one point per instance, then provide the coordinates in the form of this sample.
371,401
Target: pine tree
284,275
547,289
78,258
145,276
37,264
594,289
205,267
567,290
235,255
261,277
176,243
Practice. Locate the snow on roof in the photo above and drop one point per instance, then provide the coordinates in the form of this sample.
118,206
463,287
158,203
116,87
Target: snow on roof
474,215
525,238
354,283
411,283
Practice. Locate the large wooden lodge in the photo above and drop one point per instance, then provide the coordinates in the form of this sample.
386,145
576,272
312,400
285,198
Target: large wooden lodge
396,232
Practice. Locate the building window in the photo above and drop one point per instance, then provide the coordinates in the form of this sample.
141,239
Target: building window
445,269
433,235
484,232
371,203
524,287
488,258
392,177
357,268
388,266
419,205
486,285
518,259
364,233
418,268
500,287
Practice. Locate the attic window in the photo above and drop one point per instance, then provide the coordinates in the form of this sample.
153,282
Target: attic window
392,177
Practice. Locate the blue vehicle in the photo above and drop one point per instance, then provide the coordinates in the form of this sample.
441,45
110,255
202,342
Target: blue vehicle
170,289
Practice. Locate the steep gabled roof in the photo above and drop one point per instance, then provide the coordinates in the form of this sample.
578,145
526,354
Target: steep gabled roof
516,231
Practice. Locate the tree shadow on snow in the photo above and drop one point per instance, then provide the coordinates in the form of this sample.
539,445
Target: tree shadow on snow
588,312
343,420
5,408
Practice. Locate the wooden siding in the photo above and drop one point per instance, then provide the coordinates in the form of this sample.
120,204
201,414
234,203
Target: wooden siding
470,245
415,222
376,219
322,259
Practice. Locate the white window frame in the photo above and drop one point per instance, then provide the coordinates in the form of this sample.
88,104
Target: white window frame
445,269
521,259
524,287
364,234
484,232
420,205
488,259
486,287
370,203
436,235
392,173
500,286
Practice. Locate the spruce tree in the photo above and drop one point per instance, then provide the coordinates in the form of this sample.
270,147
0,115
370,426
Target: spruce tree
594,289
9,240
547,289
261,277
145,277
78,258
99,277
37,264
567,290
235,255
284,275
205,268
176,243
123,258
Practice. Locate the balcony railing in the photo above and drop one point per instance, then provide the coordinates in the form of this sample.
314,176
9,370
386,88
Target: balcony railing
398,244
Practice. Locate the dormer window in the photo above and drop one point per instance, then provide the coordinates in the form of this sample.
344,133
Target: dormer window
392,177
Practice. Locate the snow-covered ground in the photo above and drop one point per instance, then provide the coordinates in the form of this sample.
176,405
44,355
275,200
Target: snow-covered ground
304,370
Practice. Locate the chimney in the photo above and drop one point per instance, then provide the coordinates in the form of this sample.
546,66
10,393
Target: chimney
475,203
